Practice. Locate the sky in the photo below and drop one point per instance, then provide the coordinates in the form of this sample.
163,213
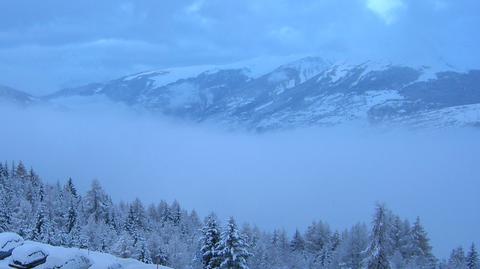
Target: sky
52,44
275,180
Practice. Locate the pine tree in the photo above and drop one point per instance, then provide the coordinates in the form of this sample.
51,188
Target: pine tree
175,213
20,171
97,202
4,211
42,230
421,250
142,253
209,243
354,244
457,259
124,246
298,243
472,258
329,252
135,224
378,249
316,237
420,240
70,188
232,248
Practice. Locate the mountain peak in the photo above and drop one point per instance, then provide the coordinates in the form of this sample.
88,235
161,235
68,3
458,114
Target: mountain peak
296,93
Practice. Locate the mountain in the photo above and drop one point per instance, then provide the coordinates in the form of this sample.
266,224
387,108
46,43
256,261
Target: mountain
16,97
307,92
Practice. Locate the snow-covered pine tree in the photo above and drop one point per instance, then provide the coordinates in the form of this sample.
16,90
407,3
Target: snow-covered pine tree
175,213
209,243
141,251
20,171
329,252
298,243
232,248
135,223
472,258
124,246
421,249
353,247
70,188
42,230
156,248
96,202
457,259
4,211
377,252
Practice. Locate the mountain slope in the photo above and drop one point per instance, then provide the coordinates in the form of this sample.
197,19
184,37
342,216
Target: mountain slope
16,97
306,92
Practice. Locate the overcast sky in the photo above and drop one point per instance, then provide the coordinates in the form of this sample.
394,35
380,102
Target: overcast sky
46,45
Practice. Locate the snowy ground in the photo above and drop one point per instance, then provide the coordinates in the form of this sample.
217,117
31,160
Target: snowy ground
57,255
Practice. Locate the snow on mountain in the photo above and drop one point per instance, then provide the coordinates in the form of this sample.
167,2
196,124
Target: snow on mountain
16,97
71,258
262,94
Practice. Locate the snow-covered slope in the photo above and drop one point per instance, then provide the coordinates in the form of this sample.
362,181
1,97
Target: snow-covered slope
309,91
69,257
15,97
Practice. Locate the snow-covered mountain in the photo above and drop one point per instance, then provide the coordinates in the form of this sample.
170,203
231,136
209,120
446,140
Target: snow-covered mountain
16,97
306,92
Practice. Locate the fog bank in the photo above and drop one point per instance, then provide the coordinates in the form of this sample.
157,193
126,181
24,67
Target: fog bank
279,179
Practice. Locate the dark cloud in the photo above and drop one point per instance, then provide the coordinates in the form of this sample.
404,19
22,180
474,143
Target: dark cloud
45,45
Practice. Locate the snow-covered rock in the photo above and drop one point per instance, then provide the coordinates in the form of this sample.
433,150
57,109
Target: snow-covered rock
69,260
44,256
8,242
28,256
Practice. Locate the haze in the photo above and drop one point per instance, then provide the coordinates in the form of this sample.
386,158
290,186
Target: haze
281,179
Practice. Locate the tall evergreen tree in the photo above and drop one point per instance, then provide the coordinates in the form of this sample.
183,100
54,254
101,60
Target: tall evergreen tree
353,247
457,259
298,243
378,249
232,248
136,223
4,213
20,171
96,202
210,242
421,248
42,230
70,188
472,258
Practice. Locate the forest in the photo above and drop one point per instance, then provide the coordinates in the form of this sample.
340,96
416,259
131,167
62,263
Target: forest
169,235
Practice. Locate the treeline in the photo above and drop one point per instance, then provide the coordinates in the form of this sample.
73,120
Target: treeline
169,235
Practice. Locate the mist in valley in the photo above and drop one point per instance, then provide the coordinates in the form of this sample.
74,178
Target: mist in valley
277,179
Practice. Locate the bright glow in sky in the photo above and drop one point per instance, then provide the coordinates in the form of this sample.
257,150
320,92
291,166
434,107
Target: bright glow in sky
386,9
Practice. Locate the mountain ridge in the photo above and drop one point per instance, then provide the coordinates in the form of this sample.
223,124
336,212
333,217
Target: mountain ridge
310,91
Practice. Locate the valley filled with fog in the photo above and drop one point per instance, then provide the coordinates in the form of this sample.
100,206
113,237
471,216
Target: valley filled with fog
278,179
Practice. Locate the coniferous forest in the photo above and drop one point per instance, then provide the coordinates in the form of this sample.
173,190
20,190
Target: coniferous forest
170,235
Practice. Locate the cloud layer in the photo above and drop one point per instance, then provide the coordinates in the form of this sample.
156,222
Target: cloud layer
275,180
52,44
